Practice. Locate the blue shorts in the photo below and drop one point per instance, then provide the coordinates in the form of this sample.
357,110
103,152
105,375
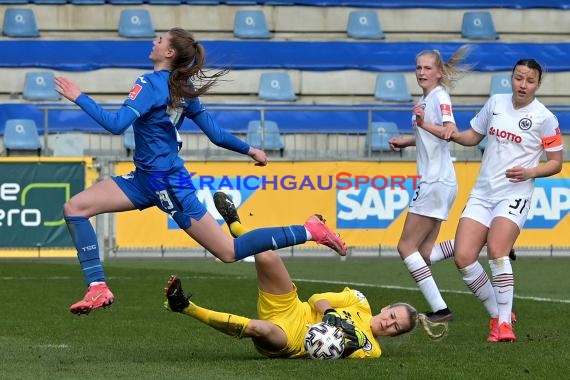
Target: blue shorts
173,193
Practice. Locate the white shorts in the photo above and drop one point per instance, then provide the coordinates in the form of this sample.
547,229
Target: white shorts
484,211
433,200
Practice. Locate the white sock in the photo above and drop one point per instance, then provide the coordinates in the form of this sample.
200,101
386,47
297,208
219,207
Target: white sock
309,236
442,251
422,275
478,282
504,286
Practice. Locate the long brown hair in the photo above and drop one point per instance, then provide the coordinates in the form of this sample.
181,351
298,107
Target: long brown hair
188,78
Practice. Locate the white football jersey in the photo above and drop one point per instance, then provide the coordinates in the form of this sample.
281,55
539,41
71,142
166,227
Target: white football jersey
514,138
433,154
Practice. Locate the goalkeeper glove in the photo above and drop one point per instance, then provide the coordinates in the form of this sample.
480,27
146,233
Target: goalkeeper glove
354,339
333,318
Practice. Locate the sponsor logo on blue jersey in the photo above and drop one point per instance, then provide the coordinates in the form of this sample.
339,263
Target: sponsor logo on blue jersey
550,203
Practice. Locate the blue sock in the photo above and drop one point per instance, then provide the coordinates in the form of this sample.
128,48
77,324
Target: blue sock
265,239
85,241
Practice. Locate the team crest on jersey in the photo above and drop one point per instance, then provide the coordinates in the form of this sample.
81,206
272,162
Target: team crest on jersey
525,124
135,91
359,295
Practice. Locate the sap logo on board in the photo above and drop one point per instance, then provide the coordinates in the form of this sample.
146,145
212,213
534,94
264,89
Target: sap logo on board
550,203
367,207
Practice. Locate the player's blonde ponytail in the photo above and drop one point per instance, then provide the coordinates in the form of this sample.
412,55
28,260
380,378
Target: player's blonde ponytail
435,330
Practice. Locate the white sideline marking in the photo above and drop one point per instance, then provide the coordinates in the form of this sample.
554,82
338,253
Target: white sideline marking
62,345
530,298
397,287
63,278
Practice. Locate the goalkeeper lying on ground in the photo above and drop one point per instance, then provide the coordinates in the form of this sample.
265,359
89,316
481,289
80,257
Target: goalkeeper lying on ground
284,319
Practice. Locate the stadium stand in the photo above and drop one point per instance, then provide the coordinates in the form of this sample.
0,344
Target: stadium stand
478,25
68,145
250,23
305,35
276,86
39,85
21,135
392,87
379,136
125,2
20,22
265,136
364,25
129,140
500,84
482,145
87,2
136,23
49,1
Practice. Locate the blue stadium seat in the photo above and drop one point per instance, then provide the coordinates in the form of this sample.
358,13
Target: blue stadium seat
250,24
87,2
20,22
364,24
381,132
392,87
136,23
478,25
49,1
14,2
158,2
268,138
276,86
500,84
129,140
195,2
125,2
21,134
39,85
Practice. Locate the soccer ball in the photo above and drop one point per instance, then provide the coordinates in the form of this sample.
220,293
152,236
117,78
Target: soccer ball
324,342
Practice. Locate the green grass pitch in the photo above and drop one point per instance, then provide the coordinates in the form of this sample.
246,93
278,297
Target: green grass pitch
138,339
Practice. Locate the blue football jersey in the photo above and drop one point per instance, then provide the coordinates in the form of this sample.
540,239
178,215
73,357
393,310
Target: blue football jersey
155,123
156,128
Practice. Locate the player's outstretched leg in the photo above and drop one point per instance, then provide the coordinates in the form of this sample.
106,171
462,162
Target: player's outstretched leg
228,211
322,234
315,224
176,299
97,296
442,315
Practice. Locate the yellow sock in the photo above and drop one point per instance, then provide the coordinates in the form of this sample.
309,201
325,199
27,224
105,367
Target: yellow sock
229,324
238,229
